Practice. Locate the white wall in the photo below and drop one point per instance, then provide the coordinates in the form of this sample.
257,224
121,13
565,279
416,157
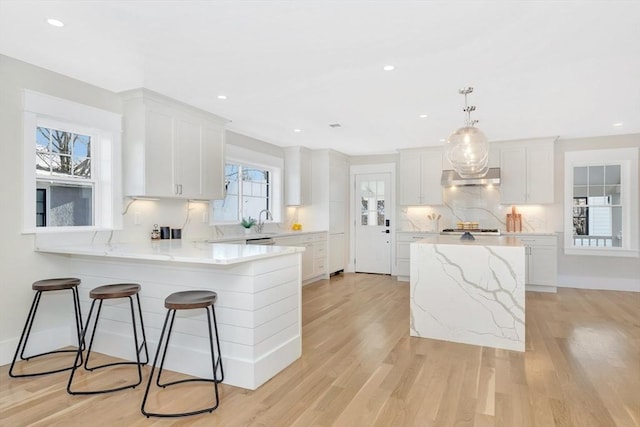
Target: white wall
593,272
20,265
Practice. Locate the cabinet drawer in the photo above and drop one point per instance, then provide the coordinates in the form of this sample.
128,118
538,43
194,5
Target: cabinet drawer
403,250
539,240
403,268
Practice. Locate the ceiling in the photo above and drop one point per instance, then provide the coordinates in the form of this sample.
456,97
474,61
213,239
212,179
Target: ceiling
539,68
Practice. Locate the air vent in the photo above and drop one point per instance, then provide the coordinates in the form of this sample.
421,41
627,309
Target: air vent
335,125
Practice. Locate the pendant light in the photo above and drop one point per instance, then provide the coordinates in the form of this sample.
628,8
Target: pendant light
467,149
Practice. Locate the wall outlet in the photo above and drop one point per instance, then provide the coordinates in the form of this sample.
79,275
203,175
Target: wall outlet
137,218
204,217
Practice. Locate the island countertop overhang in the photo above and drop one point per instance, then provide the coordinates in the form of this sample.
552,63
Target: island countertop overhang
176,251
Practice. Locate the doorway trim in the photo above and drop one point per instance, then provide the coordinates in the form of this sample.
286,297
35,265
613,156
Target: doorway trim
363,169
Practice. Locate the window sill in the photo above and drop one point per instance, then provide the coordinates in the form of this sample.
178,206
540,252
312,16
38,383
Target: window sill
610,252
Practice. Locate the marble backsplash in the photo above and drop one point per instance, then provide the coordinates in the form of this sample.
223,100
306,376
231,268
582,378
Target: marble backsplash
475,204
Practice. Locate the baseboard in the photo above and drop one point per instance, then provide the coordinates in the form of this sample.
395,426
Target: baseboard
599,283
39,342
540,288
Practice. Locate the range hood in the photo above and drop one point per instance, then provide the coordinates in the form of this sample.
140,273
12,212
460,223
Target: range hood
451,178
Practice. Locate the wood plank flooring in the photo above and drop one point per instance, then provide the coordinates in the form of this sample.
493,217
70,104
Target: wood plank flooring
359,367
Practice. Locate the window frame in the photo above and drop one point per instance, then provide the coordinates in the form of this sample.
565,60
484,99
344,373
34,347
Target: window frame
627,158
105,128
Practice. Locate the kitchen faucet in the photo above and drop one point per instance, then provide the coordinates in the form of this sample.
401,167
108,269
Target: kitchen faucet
260,224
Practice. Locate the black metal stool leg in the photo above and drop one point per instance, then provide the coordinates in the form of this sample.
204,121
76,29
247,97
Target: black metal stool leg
153,366
219,361
138,347
26,332
80,350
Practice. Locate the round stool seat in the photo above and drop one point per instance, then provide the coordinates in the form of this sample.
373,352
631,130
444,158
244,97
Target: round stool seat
55,284
190,299
120,290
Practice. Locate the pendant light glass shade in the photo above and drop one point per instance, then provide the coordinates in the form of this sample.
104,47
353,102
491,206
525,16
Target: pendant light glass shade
467,149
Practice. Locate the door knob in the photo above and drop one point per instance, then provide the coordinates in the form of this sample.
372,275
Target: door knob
386,231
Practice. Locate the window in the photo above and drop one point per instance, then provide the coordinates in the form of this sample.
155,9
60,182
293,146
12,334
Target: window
64,183
71,166
601,215
248,191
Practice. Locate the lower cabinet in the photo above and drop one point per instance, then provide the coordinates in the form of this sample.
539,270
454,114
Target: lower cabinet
314,258
336,252
403,242
542,261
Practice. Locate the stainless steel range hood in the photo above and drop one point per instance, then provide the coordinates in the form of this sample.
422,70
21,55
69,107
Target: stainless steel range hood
451,178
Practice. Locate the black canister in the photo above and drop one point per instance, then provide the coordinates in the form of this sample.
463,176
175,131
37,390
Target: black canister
176,233
165,233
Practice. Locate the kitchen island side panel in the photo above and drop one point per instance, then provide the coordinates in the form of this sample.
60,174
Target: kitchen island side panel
472,294
258,313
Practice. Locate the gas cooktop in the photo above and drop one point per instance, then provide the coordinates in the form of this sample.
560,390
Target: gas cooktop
480,231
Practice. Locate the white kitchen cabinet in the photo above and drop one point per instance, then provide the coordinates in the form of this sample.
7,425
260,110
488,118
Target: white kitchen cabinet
330,203
542,260
420,173
314,258
171,149
336,252
526,171
403,245
297,176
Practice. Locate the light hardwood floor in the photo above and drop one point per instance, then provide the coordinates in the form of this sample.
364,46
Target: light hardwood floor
359,367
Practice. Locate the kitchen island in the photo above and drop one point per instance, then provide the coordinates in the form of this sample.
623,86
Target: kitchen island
258,308
469,292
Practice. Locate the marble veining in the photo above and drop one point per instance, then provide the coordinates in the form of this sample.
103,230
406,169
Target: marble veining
478,204
471,293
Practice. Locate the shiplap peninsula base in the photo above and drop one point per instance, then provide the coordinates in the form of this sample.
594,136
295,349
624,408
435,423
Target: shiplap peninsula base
258,308
469,292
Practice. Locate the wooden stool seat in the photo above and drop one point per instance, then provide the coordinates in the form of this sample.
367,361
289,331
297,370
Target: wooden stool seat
120,290
55,284
186,300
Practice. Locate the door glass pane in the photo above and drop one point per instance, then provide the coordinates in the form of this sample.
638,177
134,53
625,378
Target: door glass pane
372,209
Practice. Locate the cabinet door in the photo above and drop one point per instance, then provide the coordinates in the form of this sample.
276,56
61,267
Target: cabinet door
158,167
542,268
187,158
431,174
336,252
213,162
297,176
540,174
410,178
307,261
513,179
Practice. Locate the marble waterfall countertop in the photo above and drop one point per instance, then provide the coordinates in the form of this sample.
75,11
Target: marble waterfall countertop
470,292
176,251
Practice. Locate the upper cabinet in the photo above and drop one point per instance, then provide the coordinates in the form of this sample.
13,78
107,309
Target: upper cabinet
420,173
297,176
171,149
526,170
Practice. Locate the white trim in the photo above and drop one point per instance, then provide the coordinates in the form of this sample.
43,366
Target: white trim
363,169
605,283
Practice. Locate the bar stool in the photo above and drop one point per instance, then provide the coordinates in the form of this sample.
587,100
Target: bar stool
109,292
45,286
187,300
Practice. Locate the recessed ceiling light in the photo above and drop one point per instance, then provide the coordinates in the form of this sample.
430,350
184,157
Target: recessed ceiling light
388,68
442,140
618,124
423,116
55,22
297,130
222,96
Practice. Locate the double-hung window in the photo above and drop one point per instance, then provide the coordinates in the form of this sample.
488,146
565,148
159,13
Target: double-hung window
65,182
248,192
72,175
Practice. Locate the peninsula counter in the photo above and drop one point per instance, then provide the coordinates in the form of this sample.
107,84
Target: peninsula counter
258,309
470,292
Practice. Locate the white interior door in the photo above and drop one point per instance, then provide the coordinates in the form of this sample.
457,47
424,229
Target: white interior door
372,230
